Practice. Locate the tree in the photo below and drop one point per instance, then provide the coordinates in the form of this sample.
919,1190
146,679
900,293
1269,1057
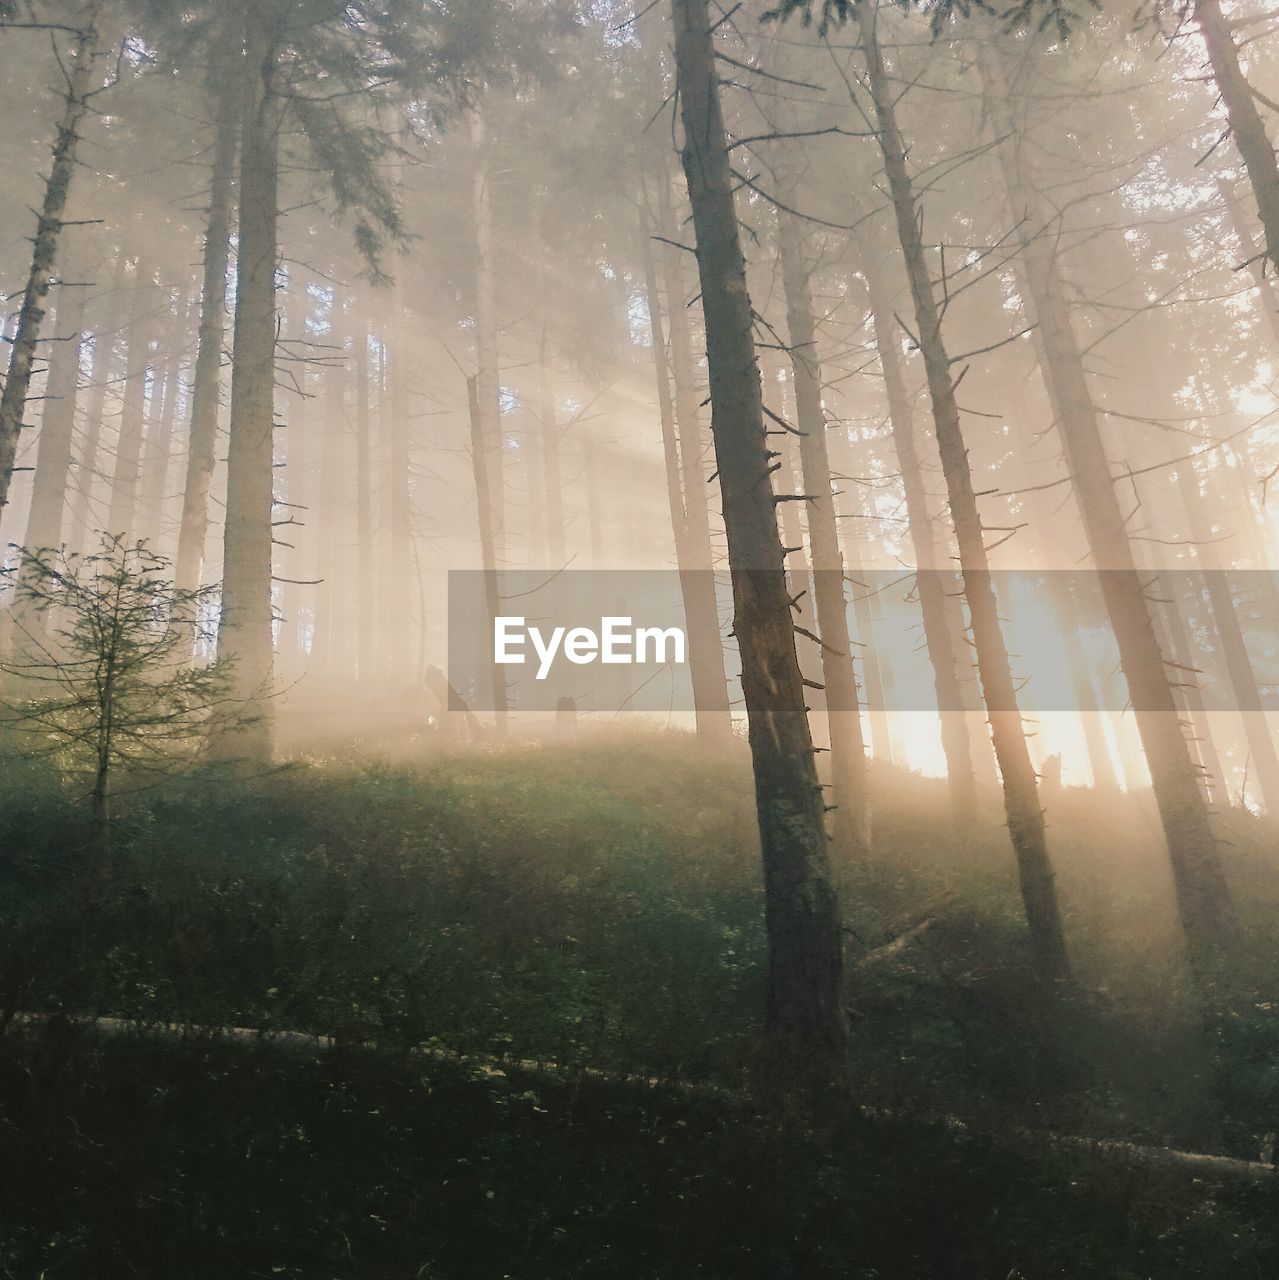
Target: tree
1026,826
843,710
805,1020
1203,898
79,74
109,690
206,394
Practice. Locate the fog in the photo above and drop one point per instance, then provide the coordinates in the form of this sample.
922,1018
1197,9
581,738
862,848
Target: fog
911,372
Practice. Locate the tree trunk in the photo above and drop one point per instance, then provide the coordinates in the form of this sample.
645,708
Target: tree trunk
159,438
1203,898
805,1020
851,825
549,431
122,512
330,615
697,582
87,468
398,641
57,423
942,636
49,226
1246,126
245,630
206,390
363,512
488,545
1021,799
489,377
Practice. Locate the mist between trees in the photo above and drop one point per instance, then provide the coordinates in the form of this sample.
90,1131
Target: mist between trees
915,363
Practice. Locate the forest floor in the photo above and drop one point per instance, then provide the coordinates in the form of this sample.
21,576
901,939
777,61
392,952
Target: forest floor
596,905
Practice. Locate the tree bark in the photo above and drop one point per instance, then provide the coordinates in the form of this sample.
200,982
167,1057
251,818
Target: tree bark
1021,799
1203,897
805,1021
245,630
206,390
49,226
851,826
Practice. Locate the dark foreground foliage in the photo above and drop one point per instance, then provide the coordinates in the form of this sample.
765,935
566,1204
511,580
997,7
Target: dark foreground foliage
596,906
136,1158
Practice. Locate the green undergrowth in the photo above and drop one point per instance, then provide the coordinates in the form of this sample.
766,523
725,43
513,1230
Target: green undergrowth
597,904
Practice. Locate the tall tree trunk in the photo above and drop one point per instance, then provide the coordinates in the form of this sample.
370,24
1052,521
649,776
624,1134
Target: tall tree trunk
1203,898
160,435
122,512
1021,799
87,466
49,226
1246,126
206,390
805,1020
330,616
363,512
697,582
549,431
942,628
489,377
57,423
488,545
688,396
398,642
843,703
245,630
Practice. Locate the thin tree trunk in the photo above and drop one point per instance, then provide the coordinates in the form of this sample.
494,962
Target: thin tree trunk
329,613
805,1020
552,478
1021,799
363,511
206,390
489,386
122,510
941,625
1246,125
245,630
1203,897
851,825
159,438
697,582
49,226
57,424
104,355
488,545
398,642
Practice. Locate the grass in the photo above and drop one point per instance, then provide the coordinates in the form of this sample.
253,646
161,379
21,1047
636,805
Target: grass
596,905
